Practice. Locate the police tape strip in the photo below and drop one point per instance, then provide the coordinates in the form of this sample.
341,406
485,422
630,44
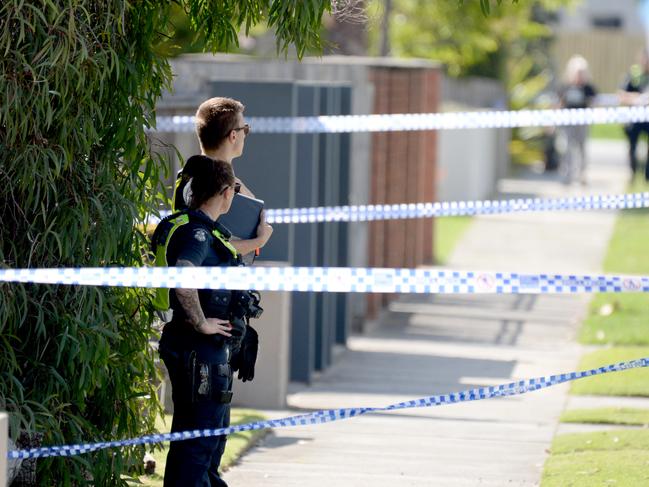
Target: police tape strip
332,279
328,416
399,211
359,213
426,121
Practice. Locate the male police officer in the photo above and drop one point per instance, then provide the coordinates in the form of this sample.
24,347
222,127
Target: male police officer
634,91
207,326
221,131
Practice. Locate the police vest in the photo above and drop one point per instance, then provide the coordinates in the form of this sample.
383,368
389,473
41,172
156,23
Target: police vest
160,243
638,78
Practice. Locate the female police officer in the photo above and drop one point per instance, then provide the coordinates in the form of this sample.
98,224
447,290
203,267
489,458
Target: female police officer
196,346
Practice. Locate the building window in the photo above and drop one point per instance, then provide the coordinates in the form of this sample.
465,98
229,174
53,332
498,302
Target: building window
607,22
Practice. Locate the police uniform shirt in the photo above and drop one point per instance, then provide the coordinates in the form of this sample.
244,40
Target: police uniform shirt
182,194
636,81
195,243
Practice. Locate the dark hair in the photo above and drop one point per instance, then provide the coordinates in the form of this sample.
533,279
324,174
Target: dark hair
215,118
209,177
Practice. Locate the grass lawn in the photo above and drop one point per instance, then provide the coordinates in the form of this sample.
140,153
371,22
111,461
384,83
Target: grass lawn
448,231
236,446
619,458
627,251
607,131
625,416
633,382
617,319
615,458
622,319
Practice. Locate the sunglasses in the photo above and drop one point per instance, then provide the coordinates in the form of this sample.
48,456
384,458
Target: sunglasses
245,128
236,186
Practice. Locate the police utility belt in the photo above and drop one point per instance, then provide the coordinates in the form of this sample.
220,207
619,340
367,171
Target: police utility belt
237,307
200,376
231,305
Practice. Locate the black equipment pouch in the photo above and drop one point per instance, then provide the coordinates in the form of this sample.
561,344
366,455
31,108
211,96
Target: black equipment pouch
205,382
215,303
245,304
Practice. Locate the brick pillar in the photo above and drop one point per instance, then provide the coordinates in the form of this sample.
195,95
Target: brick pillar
398,164
415,228
378,177
429,161
403,171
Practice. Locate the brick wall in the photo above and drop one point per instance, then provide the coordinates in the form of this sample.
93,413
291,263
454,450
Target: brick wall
402,171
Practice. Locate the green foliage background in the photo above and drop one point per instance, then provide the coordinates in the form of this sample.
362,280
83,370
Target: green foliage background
79,80
507,41
466,39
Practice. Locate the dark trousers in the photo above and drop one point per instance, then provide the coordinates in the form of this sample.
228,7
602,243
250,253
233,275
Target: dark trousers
195,364
633,133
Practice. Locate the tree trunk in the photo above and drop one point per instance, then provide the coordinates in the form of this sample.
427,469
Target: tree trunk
385,29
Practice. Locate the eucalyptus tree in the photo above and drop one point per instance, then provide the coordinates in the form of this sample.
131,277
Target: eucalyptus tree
506,40
461,35
79,81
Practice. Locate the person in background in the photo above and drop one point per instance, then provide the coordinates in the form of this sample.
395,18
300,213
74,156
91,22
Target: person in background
634,92
577,92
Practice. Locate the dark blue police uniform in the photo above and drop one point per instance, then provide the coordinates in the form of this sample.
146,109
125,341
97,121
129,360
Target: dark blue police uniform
637,81
198,364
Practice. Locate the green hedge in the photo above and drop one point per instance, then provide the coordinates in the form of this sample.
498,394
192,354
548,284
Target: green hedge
79,83
79,80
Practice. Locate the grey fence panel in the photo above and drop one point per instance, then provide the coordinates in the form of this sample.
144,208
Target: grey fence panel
268,162
289,170
334,187
343,307
306,235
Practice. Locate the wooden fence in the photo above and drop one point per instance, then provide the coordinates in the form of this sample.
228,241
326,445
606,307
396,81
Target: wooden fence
609,54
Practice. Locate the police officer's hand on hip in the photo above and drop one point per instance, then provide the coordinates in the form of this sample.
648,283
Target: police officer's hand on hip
215,326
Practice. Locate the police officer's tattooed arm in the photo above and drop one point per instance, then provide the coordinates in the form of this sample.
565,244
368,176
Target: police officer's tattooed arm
188,299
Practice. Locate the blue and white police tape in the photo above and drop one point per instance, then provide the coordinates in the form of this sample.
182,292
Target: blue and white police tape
426,121
328,416
332,279
399,211
359,213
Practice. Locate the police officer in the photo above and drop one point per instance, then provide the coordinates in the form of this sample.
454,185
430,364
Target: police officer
634,91
198,344
222,132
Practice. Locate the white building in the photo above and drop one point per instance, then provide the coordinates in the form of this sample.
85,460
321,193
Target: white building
588,15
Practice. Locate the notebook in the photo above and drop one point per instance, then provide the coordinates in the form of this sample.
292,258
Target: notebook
243,218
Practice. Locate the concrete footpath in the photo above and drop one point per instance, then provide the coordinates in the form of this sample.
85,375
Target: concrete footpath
426,345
